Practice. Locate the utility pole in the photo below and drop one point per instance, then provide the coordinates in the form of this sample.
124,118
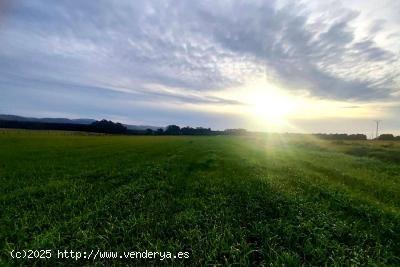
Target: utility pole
377,128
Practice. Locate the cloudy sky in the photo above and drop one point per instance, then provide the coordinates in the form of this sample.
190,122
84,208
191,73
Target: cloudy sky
305,66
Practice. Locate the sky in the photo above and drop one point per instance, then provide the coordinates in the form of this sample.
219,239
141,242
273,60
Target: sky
276,65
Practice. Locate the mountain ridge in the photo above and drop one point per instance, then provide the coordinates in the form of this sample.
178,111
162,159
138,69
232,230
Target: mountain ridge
84,121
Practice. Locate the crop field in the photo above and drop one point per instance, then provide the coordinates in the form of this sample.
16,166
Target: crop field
251,200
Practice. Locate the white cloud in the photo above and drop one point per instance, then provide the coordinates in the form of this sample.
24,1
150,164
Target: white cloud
335,50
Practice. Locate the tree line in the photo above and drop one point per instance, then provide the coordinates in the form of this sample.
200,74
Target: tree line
103,126
341,136
176,130
383,137
110,127
388,137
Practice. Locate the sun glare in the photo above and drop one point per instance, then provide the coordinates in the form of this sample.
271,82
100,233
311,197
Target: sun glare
270,106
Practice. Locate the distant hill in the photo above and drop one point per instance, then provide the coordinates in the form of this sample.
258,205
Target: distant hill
6,117
46,120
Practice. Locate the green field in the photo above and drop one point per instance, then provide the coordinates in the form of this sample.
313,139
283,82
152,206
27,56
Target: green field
226,200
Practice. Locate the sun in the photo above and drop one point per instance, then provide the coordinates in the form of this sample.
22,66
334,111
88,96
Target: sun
271,106
265,105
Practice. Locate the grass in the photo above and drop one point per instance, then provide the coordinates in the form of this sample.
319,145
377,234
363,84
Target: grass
270,200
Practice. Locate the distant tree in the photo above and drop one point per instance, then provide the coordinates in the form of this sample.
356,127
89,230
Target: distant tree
235,131
149,131
341,136
159,131
386,137
187,130
35,125
358,137
102,126
173,130
203,131
105,126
